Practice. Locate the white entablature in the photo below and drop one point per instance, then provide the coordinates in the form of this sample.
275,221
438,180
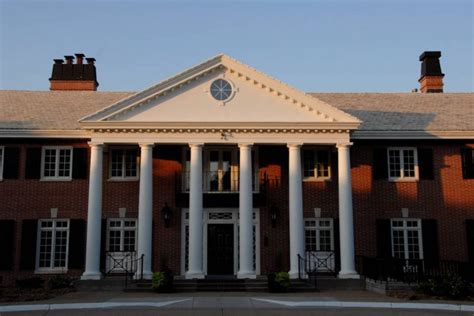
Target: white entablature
183,104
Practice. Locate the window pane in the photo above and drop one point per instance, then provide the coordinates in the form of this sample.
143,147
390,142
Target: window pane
114,240
323,163
398,244
64,163
129,240
116,163
413,244
310,238
308,163
325,240
45,249
408,163
131,163
49,163
60,249
394,163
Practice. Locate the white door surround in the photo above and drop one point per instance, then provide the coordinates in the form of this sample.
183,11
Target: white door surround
220,216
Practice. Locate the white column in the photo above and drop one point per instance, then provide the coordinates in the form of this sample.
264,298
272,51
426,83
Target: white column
94,214
346,222
246,270
145,208
195,215
296,228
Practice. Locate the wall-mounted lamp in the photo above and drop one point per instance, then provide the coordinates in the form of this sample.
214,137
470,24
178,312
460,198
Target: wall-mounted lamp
167,214
274,214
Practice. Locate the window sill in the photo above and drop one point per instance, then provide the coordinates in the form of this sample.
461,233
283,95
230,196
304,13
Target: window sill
123,179
51,271
317,180
404,180
56,179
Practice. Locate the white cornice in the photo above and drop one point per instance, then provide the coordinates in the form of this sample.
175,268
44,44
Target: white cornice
271,128
361,134
68,134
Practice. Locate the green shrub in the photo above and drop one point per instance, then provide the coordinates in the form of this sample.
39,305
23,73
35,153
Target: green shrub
278,282
449,285
61,282
162,281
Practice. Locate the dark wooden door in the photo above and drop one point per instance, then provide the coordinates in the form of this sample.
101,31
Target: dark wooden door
220,249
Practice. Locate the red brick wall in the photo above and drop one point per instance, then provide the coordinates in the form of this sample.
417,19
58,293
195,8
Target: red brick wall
449,199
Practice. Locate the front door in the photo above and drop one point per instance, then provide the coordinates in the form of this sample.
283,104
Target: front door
220,249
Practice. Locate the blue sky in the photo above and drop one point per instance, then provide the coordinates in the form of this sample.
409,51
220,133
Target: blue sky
320,46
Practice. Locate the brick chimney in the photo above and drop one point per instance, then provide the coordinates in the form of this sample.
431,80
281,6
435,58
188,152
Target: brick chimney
431,79
74,76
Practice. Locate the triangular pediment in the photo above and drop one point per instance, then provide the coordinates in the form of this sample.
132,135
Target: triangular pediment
254,98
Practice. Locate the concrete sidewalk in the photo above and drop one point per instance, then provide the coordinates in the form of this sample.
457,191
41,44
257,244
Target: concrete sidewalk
200,301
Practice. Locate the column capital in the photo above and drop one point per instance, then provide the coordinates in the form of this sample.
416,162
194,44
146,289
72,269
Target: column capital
343,145
146,145
245,145
95,144
294,145
191,145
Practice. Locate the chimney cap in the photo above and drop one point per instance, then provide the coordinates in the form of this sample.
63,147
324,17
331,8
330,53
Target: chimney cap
58,61
68,57
80,55
430,54
90,60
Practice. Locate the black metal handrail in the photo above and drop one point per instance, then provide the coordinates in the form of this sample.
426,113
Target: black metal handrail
126,263
321,261
137,273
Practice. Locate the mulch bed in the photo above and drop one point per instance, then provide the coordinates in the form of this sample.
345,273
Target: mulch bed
26,295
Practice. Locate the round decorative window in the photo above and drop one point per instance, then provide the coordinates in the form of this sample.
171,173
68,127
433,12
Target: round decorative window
221,89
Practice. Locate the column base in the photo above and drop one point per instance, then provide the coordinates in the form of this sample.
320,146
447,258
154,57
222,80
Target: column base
246,275
91,276
295,274
194,275
146,275
348,275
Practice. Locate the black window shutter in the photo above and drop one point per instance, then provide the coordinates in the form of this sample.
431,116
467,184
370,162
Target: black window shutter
429,228
470,239
29,232
426,163
467,163
77,243
103,243
7,238
384,238
380,164
337,245
33,163
79,163
11,163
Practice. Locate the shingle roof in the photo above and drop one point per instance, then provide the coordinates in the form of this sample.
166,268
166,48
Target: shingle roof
51,110
61,110
407,111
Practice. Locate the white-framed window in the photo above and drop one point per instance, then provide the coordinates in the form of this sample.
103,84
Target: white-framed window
407,240
402,163
52,245
123,163
220,170
121,234
56,163
319,234
2,157
316,164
